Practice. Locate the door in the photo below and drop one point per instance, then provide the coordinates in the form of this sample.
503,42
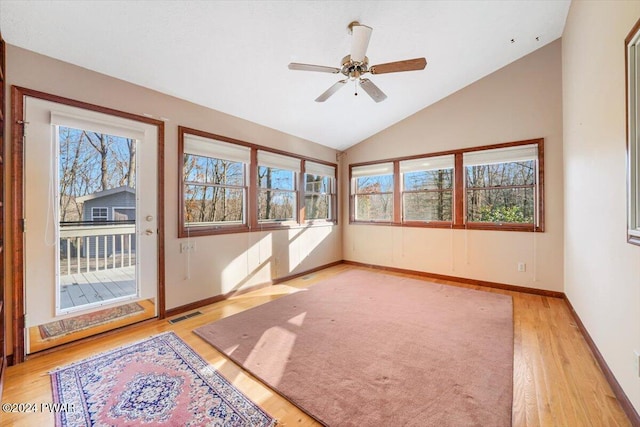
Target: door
90,200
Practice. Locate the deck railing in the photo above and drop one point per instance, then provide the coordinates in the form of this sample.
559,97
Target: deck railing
87,248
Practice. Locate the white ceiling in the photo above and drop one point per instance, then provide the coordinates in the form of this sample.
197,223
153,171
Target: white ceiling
232,56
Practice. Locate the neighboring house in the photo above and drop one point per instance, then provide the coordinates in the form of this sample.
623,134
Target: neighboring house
115,204
109,206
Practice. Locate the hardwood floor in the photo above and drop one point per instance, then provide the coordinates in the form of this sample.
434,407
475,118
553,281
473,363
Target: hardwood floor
556,379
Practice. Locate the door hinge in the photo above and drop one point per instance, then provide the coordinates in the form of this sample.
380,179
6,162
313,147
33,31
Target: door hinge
24,224
24,126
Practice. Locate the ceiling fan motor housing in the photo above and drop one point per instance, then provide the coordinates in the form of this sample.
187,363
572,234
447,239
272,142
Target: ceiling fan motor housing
353,69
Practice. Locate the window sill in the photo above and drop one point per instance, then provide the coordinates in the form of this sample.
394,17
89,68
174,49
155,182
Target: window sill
270,226
387,223
185,232
502,227
428,224
470,226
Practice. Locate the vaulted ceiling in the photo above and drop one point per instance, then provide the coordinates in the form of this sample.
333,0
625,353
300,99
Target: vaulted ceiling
232,56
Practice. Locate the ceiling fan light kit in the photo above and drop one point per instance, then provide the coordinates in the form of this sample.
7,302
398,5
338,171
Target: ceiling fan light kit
356,64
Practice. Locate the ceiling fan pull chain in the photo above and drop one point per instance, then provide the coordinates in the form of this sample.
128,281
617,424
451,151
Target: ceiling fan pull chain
355,83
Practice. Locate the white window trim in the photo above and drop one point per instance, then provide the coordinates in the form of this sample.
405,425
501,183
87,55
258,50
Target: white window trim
633,132
94,216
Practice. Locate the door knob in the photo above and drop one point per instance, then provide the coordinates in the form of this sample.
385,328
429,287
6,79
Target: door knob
148,232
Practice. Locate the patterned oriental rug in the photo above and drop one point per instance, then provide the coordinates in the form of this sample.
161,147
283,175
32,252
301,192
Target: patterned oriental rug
371,349
160,381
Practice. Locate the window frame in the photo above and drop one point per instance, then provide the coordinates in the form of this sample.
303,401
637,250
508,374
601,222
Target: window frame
102,218
353,194
419,223
273,190
221,227
332,194
459,213
509,226
632,86
252,191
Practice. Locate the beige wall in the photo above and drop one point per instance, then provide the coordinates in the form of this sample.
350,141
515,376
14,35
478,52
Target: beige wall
602,271
220,263
518,102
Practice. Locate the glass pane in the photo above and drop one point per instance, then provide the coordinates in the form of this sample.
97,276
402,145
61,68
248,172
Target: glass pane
317,206
374,207
510,205
501,174
317,184
276,205
432,206
97,211
213,171
205,205
277,179
374,184
441,179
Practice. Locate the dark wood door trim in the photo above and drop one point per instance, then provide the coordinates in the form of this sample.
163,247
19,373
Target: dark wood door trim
3,309
18,95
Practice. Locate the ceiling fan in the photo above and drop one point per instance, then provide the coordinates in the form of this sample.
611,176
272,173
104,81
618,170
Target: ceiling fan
356,64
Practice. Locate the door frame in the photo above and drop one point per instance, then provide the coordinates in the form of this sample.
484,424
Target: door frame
17,205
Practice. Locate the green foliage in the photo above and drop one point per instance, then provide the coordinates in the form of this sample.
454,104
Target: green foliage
489,213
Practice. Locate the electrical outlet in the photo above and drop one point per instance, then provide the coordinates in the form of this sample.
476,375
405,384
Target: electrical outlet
187,247
522,267
636,361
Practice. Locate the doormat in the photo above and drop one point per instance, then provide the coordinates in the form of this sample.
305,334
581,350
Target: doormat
159,381
85,321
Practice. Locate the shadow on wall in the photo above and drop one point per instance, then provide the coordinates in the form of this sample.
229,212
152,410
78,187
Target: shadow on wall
278,254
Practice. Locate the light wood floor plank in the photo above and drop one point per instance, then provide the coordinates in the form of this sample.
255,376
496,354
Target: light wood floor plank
556,379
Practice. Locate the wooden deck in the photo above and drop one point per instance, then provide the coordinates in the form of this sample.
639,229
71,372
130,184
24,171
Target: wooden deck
103,285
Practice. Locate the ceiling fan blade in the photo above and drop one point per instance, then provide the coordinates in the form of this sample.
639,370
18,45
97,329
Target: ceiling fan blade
394,67
373,90
333,89
308,67
359,41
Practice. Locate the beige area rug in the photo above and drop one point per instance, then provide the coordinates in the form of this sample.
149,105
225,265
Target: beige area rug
372,349
85,321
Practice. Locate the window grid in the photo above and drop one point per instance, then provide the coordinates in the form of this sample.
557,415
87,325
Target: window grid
214,201
313,193
427,193
99,214
371,201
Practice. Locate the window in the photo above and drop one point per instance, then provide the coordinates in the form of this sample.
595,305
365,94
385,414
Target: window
214,183
427,189
124,214
231,186
633,134
277,194
319,191
99,214
500,185
497,187
372,190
